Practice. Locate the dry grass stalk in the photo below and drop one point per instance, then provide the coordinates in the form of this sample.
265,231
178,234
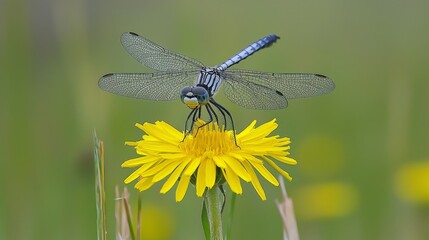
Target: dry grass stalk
290,228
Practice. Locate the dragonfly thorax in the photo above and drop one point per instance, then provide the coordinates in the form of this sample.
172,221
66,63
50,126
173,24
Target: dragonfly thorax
194,97
210,79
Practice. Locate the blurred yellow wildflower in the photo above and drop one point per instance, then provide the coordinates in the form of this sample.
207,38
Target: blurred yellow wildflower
326,200
412,182
211,156
157,223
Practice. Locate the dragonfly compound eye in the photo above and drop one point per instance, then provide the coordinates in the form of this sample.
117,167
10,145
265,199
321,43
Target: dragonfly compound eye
185,91
201,94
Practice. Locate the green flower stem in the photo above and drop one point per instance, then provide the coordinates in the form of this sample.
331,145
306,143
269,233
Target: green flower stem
214,202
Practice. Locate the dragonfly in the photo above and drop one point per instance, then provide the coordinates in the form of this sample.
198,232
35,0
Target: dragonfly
177,76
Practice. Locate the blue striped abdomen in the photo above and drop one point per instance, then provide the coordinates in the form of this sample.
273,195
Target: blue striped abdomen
252,48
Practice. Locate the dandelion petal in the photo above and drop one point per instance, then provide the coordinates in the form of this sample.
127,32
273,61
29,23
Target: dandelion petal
182,187
173,177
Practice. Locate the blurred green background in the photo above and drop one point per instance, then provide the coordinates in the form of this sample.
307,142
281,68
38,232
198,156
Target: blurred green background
362,151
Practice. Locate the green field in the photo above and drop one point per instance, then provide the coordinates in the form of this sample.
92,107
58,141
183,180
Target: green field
362,151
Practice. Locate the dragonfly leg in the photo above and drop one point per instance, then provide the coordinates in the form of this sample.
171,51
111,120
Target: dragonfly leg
214,113
211,113
195,119
188,130
199,115
225,111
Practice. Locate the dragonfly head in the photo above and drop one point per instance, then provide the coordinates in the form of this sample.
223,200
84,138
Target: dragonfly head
194,97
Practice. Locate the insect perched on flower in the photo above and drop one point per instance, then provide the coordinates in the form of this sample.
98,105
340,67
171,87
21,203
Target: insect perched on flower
176,75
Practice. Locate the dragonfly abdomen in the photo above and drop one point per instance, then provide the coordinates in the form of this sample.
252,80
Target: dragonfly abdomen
252,48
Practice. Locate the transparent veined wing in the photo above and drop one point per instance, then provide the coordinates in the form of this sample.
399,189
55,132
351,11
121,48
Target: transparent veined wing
251,95
150,86
263,90
154,56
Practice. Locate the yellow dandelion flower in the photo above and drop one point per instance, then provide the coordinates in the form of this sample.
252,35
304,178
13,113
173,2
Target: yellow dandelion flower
210,155
411,182
326,200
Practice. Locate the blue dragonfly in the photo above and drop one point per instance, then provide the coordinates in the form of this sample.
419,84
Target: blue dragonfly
177,75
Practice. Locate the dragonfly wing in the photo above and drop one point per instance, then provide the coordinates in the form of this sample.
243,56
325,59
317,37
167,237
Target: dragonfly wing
154,56
291,85
251,95
150,86
287,85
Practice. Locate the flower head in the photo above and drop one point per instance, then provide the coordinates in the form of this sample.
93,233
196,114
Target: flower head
210,155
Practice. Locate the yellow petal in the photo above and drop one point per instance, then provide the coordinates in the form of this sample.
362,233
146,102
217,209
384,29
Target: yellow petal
139,126
246,131
265,173
158,132
210,173
166,170
278,169
171,130
192,166
182,187
173,156
174,176
260,132
219,161
286,160
233,180
138,172
139,161
236,166
161,147
237,155
255,181
156,168
201,179
144,184
129,143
